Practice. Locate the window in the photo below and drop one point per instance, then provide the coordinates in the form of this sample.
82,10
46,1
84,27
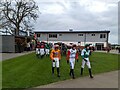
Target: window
102,35
38,35
52,35
80,34
92,34
60,34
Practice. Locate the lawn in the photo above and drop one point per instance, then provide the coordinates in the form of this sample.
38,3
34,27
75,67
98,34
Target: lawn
28,71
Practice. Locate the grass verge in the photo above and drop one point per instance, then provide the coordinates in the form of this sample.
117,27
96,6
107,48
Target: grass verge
28,71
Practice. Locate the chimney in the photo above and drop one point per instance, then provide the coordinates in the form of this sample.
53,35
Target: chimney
70,30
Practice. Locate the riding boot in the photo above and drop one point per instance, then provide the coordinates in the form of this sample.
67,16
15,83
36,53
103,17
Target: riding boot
53,70
81,72
58,72
90,73
73,76
70,72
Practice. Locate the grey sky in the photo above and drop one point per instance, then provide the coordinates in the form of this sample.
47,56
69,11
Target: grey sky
79,15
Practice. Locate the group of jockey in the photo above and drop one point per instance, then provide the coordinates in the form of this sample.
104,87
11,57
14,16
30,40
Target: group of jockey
72,54
42,49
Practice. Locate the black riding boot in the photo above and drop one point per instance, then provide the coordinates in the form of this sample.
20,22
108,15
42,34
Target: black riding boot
73,76
42,56
81,72
70,72
37,55
58,72
53,70
90,73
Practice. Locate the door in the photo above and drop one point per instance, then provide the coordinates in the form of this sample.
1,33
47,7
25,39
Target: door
99,46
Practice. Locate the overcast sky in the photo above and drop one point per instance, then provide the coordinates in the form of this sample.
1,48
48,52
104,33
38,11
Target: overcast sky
79,15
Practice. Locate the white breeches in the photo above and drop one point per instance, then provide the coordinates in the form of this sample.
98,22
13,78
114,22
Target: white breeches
42,52
47,51
56,63
72,63
86,62
37,51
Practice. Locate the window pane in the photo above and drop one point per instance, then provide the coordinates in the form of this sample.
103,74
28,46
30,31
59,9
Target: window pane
38,35
93,34
52,35
60,34
100,35
80,34
104,36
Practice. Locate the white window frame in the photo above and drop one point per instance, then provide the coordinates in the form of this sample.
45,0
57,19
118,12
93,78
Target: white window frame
52,35
80,34
38,34
102,35
93,34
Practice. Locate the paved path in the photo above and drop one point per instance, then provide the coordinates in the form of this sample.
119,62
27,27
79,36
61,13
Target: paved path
104,80
6,56
111,51
114,51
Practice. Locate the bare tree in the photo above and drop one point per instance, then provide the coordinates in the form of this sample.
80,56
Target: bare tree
16,15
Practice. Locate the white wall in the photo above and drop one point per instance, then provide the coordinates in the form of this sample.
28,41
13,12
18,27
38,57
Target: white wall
95,38
73,37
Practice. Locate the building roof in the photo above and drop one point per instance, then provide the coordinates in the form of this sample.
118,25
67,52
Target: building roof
72,31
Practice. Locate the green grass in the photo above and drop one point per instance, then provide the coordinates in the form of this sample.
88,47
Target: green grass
28,71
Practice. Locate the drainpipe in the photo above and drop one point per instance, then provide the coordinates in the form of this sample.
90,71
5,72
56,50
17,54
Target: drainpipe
47,37
107,39
85,39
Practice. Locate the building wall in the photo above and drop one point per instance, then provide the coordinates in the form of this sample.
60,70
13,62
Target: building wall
43,37
95,38
73,37
0,43
70,37
8,44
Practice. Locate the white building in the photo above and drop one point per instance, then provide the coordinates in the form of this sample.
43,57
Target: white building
99,39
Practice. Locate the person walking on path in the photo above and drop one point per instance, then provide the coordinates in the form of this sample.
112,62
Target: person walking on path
28,46
47,49
85,56
55,56
72,55
38,49
42,49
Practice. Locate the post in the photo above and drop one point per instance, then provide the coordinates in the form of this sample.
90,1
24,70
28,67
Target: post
85,39
47,37
107,40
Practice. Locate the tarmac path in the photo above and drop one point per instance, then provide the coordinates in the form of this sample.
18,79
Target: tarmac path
5,56
104,80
